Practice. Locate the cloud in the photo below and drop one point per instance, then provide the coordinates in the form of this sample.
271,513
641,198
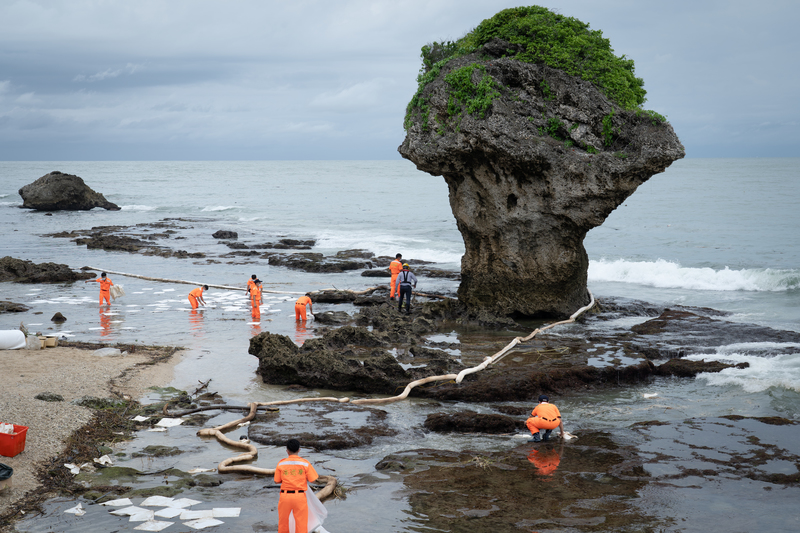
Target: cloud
200,77
108,73
359,96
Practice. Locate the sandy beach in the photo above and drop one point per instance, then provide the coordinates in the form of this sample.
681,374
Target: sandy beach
71,373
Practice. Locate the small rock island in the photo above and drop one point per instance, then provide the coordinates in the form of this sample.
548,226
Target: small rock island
58,191
539,131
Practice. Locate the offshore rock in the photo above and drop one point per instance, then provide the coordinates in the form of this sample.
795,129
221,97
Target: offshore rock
59,191
550,159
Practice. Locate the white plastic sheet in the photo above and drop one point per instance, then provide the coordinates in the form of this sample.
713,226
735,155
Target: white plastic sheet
12,339
317,513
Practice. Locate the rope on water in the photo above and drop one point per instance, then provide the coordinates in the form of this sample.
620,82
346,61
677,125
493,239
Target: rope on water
251,452
230,288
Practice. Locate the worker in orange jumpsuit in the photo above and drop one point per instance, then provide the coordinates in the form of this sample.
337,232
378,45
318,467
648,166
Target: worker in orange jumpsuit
255,299
544,416
105,287
251,283
395,267
300,307
196,296
293,473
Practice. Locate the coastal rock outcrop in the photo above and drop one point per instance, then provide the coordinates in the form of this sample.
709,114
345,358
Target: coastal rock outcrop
22,271
533,158
58,191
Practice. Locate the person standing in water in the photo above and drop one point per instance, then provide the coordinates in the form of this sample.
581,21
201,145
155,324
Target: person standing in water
196,296
105,287
251,283
255,299
300,307
294,474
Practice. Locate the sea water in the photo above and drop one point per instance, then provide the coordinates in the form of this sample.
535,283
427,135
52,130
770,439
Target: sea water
718,233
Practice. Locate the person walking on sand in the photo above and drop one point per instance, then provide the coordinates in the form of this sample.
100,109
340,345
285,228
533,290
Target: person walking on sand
300,307
105,287
294,474
405,281
196,296
544,416
395,267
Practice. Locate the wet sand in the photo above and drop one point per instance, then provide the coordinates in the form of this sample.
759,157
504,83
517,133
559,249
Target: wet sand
71,373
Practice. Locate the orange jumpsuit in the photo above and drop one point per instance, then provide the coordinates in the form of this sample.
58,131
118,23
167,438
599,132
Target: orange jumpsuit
544,416
300,307
250,284
294,473
255,295
395,267
105,289
255,300
194,295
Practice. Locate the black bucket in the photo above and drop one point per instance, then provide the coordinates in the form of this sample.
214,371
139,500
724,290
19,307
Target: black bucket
5,476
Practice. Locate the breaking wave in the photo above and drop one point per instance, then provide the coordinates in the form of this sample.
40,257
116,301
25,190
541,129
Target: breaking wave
670,275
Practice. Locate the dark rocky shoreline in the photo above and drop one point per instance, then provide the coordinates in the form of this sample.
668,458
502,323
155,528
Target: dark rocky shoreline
381,351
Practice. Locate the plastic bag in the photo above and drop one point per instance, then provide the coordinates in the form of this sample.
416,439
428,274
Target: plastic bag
117,291
317,513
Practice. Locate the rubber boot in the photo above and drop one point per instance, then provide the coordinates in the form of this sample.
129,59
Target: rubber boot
535,438
547,435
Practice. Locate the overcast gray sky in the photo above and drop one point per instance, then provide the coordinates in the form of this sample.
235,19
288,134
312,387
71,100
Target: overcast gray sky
330,79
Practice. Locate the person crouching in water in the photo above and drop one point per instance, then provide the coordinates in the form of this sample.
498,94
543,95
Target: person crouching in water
544,416
196,296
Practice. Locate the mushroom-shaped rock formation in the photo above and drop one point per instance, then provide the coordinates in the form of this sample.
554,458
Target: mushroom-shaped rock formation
538,130
58,191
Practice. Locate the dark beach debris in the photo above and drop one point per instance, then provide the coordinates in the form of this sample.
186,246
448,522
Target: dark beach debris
58,318
49,397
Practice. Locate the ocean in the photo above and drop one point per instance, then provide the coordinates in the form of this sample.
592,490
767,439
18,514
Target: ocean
716,233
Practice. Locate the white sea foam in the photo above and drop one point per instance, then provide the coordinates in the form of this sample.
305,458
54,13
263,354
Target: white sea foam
220,208
763,372
138,208
671,275
388,245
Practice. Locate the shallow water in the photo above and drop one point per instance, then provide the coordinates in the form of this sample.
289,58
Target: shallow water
696,235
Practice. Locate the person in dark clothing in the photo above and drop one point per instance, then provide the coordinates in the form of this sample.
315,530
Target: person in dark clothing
406,280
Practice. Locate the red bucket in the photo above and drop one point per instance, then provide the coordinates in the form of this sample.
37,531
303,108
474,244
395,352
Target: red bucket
14,443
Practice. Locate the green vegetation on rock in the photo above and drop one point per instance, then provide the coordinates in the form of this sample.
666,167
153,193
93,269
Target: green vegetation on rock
536,35
476,99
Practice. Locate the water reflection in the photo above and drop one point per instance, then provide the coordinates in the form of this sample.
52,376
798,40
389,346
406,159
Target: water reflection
105,321
196,318
301,332
546,460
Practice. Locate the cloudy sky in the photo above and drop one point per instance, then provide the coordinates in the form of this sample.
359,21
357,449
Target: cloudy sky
330,79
